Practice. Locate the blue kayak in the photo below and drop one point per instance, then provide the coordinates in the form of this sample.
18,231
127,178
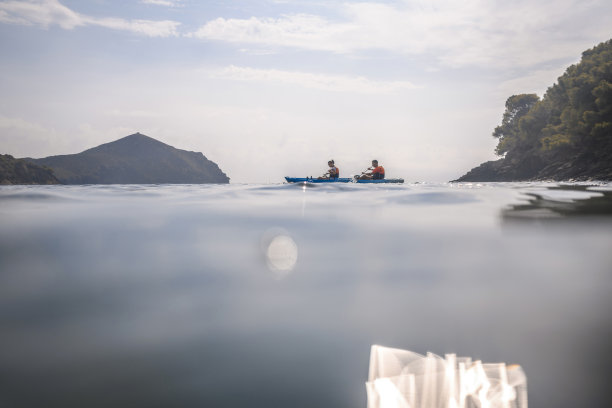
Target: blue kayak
398,180
316,180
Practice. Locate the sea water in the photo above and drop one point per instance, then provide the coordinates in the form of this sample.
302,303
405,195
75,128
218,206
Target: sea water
272,295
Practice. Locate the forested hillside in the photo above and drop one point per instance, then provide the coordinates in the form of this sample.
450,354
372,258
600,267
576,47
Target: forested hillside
565,135
17,171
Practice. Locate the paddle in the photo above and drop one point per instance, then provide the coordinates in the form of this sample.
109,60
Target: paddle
318,178
357,177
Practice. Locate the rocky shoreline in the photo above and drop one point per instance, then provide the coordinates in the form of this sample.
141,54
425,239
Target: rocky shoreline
502,170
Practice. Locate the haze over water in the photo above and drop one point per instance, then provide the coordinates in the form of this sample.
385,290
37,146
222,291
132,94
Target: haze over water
271,295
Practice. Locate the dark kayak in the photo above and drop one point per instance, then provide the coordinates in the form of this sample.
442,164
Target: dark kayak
397,180
316,180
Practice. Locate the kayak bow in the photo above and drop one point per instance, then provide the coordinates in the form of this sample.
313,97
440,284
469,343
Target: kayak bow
315,180
398,181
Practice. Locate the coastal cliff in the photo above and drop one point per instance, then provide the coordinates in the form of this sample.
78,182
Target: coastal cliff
566,135
134,159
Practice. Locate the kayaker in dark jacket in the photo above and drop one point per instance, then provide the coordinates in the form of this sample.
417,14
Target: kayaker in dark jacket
377,172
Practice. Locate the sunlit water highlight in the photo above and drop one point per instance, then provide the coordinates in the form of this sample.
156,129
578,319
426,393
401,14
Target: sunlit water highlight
271,295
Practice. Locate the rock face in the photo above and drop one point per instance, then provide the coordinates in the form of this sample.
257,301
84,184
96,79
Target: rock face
579,168
18,171
134,159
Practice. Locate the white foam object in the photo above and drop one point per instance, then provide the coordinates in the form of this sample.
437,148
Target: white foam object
404,379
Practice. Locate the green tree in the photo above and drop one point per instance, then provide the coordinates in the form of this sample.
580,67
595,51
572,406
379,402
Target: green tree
573,121
582,104
509,132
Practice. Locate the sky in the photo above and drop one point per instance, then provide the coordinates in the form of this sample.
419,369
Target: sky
274,88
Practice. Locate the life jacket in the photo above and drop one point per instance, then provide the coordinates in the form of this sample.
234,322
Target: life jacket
378,173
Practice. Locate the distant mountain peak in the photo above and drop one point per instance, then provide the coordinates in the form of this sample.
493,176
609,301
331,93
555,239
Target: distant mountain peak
134,144
139,136
134,159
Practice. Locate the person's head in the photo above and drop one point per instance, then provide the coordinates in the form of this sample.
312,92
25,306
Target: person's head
374,163
330,163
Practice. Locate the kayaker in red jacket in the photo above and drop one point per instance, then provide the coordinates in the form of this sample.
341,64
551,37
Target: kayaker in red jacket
377,172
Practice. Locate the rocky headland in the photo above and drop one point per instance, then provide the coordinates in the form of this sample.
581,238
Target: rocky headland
565,136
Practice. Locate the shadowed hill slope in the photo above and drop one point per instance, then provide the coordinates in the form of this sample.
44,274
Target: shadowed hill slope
134,159
17,171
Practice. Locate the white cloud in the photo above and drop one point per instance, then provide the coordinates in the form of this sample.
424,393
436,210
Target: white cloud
471,32
536,81
133,113
336,83
257,52
46,13
26,138
23,138
301,31
42,13
167,3
148,28
7,123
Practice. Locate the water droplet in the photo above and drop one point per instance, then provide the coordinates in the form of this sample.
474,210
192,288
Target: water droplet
281,254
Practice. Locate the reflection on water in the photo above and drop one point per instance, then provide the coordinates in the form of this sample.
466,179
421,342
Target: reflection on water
562,201
147,296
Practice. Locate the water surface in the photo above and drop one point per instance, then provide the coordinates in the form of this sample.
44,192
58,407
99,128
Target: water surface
184,295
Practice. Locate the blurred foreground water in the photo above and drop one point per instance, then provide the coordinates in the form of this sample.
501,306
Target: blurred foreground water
271,295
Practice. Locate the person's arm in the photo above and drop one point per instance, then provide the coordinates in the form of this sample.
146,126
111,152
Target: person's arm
365,174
